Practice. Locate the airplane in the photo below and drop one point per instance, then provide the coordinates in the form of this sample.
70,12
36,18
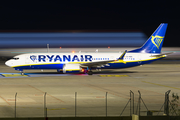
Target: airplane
86,62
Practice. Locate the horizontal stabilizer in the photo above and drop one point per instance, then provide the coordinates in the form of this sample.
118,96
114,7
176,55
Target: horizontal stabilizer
160,55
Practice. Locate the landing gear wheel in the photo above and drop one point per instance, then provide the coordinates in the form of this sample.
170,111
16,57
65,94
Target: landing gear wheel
22,73
90,73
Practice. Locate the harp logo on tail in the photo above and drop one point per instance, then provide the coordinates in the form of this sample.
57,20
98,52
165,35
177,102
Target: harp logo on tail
156,40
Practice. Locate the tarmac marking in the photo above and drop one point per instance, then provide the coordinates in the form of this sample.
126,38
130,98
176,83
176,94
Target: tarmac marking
4,100
10,99
105,90
56,109
56,98
118,94
161,85
47,94
13,75
18,75
36,107
38,95
100,97
113,76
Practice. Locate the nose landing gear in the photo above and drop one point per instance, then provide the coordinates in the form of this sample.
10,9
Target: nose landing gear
21,70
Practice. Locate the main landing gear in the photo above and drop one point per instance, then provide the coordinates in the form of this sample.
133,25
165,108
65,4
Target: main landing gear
87,71
90,72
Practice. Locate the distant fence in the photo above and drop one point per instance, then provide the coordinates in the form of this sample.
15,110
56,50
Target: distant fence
95,118
135,105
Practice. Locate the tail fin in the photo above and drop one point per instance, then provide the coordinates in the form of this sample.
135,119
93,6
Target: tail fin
155,42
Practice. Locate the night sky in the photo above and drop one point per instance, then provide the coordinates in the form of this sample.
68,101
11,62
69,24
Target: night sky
92,15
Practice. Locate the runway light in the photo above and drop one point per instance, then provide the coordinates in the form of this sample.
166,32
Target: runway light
108,47
60,47
73,52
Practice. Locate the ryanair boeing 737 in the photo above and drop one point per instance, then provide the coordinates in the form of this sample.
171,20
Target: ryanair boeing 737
86,62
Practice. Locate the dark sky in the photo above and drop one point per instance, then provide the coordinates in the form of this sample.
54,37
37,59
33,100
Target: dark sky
92,15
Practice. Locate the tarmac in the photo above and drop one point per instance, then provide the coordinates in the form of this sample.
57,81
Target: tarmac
106,92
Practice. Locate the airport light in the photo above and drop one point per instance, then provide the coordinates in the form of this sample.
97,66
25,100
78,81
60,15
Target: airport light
108,47
73,51
82,70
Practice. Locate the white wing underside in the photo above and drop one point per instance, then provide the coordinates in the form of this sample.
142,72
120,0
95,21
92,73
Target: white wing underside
95,64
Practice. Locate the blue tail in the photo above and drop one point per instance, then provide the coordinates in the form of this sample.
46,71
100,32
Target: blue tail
155,42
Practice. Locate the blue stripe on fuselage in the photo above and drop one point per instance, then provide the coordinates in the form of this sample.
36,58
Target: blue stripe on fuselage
44,66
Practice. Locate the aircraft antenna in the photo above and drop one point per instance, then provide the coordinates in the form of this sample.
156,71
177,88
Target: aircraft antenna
48,48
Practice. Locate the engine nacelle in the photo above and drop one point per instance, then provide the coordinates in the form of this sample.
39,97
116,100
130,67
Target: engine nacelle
71,68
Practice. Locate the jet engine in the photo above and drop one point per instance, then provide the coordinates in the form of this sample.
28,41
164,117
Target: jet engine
71,68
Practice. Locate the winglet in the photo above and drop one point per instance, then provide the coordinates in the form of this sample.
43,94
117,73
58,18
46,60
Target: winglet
122,55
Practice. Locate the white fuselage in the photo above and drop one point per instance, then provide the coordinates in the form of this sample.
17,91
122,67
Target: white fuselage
46,60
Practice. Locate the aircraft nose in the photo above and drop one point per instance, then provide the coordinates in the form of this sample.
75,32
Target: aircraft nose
8,63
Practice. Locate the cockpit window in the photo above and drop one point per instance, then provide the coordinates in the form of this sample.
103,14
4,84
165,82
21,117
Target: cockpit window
16,58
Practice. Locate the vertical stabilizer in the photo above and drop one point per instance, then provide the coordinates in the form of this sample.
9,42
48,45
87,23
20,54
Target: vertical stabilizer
155,41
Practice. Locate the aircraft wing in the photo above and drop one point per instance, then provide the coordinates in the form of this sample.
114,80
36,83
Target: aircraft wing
100,63
160,55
